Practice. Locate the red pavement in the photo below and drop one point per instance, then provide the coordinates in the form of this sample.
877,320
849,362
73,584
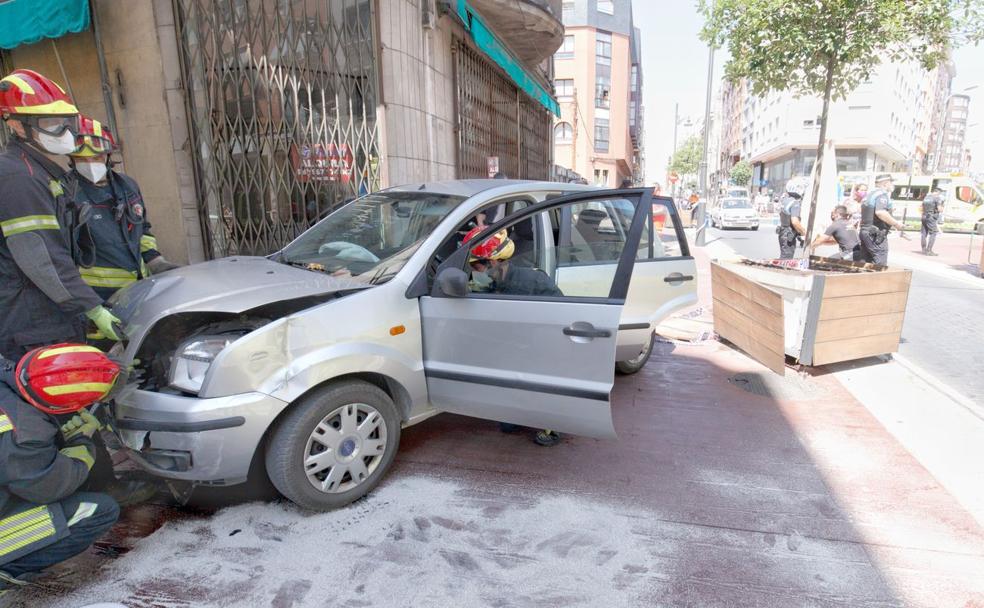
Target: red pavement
795,497
952,248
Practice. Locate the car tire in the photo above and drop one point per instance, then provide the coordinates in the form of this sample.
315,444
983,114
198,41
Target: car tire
631,366
754,228
290,445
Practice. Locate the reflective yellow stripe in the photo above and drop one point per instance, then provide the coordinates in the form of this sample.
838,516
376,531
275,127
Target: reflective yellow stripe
12,522
5,424
28,536
81,348
147,243
78,387
20,83
58,108
98,276
86,509
27,223
24,528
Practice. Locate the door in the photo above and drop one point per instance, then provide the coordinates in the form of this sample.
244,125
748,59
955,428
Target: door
520,344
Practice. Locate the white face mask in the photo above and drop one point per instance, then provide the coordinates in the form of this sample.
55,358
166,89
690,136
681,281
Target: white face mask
62,144
94,172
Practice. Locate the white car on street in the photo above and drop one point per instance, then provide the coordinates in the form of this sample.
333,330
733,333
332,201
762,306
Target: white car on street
735,213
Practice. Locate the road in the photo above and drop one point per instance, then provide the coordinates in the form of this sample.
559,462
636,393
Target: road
944,321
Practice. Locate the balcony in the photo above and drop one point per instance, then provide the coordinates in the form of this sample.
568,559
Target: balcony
531,28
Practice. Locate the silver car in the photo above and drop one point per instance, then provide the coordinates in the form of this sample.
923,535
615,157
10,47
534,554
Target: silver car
504,300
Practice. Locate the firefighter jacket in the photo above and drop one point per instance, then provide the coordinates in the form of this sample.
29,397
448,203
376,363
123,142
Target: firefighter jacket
34,477
115,243
42,295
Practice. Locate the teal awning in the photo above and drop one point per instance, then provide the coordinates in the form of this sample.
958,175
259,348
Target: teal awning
28,21
498,53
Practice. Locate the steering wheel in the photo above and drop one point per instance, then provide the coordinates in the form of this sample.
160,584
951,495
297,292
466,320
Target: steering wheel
348,251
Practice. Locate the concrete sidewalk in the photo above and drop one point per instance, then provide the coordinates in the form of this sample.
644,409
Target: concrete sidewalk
728,486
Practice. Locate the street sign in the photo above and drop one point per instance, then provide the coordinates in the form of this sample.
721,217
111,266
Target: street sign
492,163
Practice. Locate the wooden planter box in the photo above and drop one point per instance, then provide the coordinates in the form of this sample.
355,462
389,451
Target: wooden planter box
815,317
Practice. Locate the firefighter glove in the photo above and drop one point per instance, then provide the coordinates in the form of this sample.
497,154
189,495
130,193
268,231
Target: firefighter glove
106,322
83,423
80,452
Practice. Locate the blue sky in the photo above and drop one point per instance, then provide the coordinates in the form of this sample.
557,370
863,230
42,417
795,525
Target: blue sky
675,70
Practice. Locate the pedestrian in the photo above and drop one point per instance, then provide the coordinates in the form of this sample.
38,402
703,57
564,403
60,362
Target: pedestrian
42,295
877,220
626,183
44,517
790,227
932,206
854,202
116,245
842,233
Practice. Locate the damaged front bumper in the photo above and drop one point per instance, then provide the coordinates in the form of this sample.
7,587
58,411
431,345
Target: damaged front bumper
205,441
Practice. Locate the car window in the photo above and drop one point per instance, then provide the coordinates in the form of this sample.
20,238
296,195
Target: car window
372,237
736,203
666,244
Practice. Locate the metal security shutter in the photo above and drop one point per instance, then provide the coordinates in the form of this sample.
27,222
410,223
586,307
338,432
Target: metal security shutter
494,118
281,101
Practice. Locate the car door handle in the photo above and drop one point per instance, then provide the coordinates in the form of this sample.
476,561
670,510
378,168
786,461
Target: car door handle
676,277
583,332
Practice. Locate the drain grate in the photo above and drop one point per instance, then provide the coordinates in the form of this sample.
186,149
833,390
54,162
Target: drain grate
791,387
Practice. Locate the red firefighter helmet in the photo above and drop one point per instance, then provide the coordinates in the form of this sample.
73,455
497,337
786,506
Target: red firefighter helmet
64,378
93,139
27,92
496,247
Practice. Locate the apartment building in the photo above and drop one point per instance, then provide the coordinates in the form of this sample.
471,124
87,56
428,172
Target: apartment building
598,84
952,154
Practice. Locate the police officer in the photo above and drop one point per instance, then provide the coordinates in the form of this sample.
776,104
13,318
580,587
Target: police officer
842,233
790,227
42,295
932,206
44,518
877,220
116,245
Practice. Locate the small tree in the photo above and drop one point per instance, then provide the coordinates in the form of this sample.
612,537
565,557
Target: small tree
686,158
741,173
823,47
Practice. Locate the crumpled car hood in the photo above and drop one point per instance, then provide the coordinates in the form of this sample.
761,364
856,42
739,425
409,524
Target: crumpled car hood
230,285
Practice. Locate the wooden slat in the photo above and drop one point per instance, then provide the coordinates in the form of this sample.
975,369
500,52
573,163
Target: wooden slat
757,311
862,306
758,332
746,287
857,348
888,281
753,348
859,327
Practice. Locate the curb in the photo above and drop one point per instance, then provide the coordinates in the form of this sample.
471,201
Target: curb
939,386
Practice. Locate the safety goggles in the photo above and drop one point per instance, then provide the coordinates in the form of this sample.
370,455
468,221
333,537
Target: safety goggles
93,145
52,125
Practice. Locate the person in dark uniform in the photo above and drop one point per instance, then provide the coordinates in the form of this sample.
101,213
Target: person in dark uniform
42,296
790,227
932,207
116,246
877,220
841,233
45,518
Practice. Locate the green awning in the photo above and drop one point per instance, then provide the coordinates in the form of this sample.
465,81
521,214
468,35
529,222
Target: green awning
498,53
28,21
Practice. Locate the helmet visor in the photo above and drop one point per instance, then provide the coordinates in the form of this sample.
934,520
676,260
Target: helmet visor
92,145
54,125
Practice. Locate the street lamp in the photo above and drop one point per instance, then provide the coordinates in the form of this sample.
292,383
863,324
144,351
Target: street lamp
676,123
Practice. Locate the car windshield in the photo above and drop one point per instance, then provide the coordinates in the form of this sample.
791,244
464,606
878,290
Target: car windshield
371,238
736,203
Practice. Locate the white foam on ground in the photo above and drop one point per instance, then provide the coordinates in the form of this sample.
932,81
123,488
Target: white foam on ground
413,542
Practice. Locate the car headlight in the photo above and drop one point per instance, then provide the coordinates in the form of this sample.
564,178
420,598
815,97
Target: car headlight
193,358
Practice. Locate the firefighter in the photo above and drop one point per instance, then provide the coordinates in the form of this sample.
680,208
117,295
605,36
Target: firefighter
44,518
790,227
42,295
116,245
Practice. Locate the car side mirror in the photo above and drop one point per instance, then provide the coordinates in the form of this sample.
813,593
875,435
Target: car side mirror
451,283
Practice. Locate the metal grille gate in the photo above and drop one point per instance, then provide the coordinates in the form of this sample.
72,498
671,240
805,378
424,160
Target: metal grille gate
494,118
281,100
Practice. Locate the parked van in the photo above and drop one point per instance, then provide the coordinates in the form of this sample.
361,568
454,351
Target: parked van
964,207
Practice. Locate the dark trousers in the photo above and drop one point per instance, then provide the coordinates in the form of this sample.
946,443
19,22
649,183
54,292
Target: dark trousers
874,245
929,230
81,534
787,243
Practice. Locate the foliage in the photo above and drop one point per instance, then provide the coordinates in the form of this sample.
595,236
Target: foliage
795,45
686,158
741,173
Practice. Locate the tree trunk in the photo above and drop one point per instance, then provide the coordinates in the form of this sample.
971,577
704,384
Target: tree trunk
828,86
